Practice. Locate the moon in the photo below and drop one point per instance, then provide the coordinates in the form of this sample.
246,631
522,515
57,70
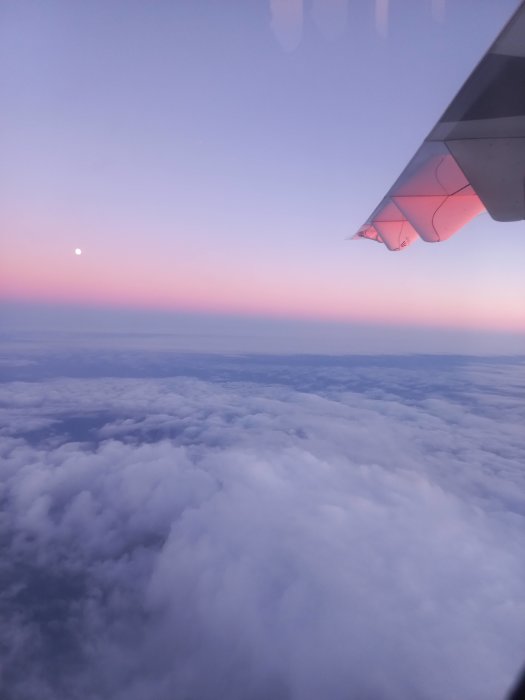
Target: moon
78,251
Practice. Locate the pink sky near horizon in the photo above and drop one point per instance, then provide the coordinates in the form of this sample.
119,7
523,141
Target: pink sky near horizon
341,286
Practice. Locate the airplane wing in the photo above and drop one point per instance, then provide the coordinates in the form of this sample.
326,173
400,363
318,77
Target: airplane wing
473,159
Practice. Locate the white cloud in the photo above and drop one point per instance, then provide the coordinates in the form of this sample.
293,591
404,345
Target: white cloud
254,540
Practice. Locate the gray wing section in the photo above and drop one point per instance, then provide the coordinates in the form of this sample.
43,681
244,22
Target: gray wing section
472,160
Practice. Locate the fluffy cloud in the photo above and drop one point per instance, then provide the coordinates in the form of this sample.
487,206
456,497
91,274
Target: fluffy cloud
274,528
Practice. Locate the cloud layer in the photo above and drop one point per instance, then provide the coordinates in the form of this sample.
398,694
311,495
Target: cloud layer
262,527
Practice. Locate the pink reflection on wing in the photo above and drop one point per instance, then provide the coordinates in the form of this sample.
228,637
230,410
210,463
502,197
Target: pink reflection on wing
431,199
437,199
368,232
396,235
393,228
440,174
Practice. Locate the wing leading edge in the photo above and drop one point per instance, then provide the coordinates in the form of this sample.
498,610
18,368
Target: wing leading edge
473,159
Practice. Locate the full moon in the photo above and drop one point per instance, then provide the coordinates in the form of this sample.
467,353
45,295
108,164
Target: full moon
78,251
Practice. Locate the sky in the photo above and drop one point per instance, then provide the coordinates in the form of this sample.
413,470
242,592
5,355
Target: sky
240,455
254,527
210,159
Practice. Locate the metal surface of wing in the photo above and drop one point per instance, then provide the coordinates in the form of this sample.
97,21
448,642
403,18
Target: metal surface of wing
473,159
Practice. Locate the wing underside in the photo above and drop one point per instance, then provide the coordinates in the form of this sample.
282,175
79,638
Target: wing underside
473,160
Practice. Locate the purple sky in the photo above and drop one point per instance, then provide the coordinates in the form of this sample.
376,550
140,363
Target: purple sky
212,157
